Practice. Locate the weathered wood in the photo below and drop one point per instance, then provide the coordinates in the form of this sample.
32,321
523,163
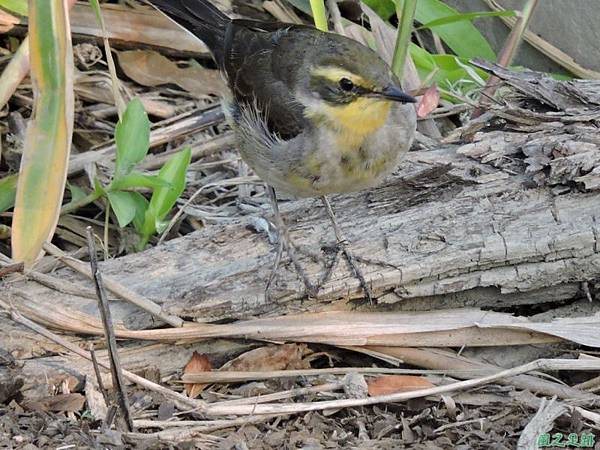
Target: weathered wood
442,227
506,216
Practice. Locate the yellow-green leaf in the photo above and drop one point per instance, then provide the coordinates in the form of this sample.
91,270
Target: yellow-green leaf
164,198
132,136
16,6
124,206
43,170
8,190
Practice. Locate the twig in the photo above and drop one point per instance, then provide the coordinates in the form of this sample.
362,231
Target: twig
327,387
12,268
60,285
479,420
115,287
98,375
591,384
109,332
197,436
203,426
238,377
181,401
110,417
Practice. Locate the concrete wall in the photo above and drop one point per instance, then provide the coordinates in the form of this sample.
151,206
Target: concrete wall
571,25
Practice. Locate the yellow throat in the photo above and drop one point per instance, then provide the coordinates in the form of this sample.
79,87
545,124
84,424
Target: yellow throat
354,121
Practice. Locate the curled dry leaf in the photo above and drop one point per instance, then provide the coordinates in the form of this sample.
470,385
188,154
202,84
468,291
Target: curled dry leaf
271,357
429,101
390,384
149,68
198,363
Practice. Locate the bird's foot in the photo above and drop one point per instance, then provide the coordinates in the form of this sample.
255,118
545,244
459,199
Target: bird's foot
311,289
341,248
285,243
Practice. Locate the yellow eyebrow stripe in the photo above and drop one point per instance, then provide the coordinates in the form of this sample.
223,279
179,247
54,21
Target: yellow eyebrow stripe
334,73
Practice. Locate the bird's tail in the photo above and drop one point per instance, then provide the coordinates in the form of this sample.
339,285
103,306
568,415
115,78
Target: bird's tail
201,18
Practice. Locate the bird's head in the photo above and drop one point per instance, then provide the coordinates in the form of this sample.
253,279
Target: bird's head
350,87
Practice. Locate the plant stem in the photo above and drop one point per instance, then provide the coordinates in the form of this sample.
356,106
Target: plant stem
74,206
319,14
406,15
507,53
516,36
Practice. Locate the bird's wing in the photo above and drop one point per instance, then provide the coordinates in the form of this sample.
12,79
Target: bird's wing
257,64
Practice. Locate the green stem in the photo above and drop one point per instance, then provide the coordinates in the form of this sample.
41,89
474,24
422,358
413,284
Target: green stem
406,15
511,45
74,206
319,14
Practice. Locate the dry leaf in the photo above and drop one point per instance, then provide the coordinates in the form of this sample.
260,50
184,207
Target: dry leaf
56,403
390,384
197,363
429,101
150,68
271,357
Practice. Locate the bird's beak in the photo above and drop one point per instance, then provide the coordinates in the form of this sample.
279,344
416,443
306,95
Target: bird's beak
396,94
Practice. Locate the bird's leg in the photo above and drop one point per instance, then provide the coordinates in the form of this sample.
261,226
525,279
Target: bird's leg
285,242
343,245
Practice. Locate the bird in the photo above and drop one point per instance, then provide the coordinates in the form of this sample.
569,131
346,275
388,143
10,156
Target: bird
314,113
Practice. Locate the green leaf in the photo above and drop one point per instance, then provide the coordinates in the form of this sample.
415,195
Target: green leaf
173,172
462,37
446,70
163,198
124,206
16,6
98,188
8,190
141,206
137,180
76,192
384,8
132,136
403,36
319,14
466,17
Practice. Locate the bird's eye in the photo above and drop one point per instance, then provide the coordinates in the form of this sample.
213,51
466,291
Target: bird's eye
346,84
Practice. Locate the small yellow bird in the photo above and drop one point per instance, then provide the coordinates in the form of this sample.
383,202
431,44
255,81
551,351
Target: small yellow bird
314,113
